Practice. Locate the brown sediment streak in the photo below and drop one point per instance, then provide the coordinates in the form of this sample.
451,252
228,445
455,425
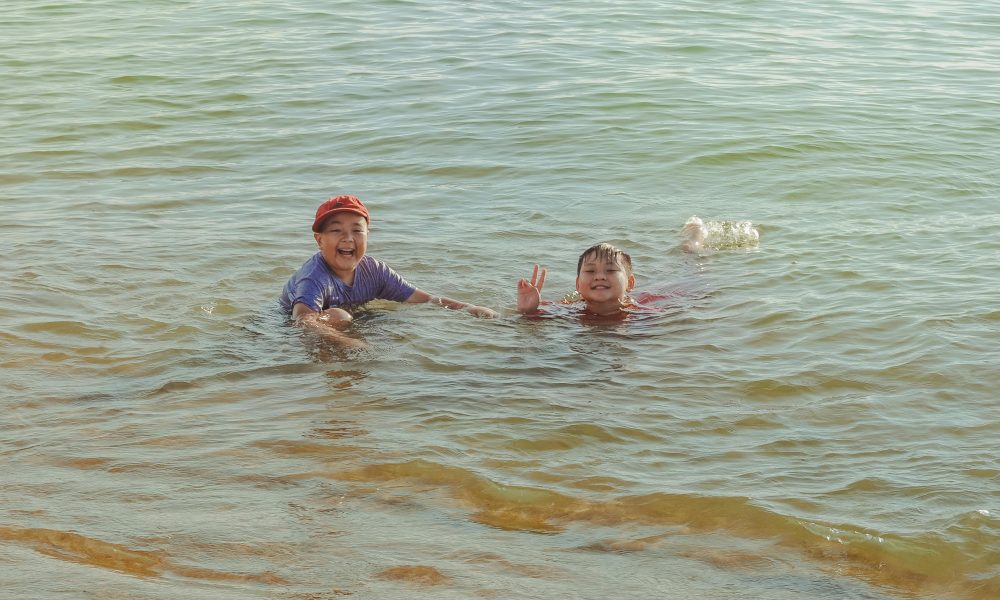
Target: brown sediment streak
81,549
83,463
885,560
62,328
338,429
197,573
421,574
505,507
572,436
724,559
599,484
626,545
317,449
490,558
172,440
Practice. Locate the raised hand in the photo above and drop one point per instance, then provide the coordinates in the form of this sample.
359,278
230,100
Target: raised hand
529,293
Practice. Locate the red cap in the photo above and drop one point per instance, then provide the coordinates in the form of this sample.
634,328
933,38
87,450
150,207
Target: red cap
339,204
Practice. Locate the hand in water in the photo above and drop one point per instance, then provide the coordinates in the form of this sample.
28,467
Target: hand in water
529,293
329,324
482,312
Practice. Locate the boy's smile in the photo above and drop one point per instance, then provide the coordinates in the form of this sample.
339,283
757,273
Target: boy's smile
343,241
603,284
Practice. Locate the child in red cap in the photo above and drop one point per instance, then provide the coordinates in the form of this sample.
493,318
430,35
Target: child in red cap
341,275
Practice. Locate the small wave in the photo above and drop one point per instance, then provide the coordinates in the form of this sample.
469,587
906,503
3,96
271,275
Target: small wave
891,560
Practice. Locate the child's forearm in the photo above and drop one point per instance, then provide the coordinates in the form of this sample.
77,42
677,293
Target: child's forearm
420,297
338,337
326,324
478,311
448,303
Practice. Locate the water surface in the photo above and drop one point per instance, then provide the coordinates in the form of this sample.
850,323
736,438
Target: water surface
812,417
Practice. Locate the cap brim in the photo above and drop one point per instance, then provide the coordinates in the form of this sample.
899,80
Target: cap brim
317,224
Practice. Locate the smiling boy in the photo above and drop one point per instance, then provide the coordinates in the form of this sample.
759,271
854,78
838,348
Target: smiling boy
603,280
342,276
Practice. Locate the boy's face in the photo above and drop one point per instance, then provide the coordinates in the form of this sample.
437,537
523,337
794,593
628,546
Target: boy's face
603,283
343,242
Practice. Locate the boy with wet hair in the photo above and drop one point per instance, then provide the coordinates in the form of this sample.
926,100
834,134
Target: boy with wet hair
604,279
341,276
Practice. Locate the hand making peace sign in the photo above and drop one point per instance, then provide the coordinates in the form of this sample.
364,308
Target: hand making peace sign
529,293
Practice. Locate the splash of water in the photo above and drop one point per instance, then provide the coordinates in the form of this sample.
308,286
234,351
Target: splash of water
701,236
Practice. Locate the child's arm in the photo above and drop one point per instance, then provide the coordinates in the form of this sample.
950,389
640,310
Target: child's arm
325,323
529,293
420,297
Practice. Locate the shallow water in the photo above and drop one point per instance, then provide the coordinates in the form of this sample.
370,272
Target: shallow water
814,416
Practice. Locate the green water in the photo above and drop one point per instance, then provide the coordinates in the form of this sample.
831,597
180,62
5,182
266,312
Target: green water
814,416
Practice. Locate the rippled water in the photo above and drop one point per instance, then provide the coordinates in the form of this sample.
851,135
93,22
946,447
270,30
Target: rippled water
814,416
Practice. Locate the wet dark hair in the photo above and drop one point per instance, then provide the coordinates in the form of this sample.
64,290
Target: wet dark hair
610,254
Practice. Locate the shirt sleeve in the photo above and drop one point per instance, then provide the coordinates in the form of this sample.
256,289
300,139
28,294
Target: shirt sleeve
394,287
308,291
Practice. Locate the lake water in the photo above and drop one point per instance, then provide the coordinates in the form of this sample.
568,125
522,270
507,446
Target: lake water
813,417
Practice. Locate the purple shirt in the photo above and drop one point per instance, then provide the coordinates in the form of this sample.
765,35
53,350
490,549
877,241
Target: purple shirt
316,286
